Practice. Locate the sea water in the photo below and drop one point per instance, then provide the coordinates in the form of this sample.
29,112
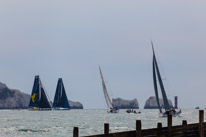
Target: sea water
24,123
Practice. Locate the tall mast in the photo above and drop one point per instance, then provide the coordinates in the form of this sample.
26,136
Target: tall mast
39,81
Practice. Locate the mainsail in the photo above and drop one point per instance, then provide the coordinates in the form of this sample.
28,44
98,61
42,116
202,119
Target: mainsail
108,101
164,96
60,98
38,96
155,85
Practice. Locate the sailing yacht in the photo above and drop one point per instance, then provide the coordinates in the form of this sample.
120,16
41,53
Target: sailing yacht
39,99
167,107
112,109
60,99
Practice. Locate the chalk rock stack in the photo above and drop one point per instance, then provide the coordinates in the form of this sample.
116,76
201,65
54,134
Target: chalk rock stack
75,105
151,103
125,104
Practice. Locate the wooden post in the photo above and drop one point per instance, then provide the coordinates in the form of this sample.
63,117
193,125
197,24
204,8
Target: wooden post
169,125
138,128
76,132
106,129
159,129
201,120
184,128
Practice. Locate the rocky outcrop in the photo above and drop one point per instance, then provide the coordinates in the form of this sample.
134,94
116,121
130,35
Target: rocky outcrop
75,105
151,103
12,98
125,104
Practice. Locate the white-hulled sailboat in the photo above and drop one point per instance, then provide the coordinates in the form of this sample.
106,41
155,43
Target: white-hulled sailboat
167,107
112,109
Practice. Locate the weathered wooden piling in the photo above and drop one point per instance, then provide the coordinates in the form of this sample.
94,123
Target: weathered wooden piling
159,129
106,129
184,128
76,132
138,128
169,125
201,120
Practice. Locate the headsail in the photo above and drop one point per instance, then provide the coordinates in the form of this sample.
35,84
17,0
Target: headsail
60,98
108,101
164,96
38,96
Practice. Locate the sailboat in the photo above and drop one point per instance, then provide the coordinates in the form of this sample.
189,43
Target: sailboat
167,107
60,99
112,109
39,99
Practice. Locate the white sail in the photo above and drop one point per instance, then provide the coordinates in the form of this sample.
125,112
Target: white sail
108,101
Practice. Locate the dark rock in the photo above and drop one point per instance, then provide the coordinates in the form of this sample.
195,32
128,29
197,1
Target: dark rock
125,104
151,103
12,98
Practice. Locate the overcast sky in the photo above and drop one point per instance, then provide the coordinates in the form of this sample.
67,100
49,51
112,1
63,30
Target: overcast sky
72,38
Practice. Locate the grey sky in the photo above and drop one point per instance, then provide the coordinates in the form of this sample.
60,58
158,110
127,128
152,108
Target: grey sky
70,39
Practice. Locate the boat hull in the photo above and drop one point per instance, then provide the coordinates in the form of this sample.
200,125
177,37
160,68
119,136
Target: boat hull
40,109
61,108
132,111
174,114
113,111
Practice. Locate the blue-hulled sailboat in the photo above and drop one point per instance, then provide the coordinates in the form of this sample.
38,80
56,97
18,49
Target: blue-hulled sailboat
60,99
39,99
